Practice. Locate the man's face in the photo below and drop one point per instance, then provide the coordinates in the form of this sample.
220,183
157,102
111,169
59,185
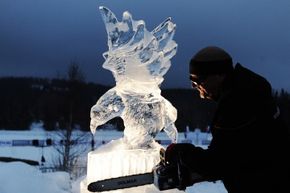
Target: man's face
207,86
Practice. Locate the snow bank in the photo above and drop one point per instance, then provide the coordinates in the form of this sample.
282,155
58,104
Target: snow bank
18,177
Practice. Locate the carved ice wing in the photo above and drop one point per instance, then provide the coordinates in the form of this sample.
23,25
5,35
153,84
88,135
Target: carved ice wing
164,33
131,45
172,133
163,46
110,21
119,33
170,118
109,106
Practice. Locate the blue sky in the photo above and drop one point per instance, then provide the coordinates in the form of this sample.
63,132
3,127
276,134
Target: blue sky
41,37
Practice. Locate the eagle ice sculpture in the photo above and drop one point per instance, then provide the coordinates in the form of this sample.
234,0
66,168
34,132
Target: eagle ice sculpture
138,60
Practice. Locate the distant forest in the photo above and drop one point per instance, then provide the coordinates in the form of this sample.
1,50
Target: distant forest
59,102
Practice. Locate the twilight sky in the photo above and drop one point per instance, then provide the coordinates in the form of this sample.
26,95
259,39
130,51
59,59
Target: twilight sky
41,37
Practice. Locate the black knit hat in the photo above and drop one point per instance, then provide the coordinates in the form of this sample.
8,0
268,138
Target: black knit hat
211,60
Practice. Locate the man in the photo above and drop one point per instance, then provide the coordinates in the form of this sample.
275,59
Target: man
248,151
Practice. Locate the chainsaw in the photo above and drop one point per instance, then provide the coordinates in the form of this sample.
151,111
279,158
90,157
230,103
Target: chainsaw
164,176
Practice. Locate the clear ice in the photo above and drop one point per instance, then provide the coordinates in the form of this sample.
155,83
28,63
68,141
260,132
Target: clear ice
138,60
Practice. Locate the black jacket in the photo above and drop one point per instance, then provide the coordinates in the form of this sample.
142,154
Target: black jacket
248,151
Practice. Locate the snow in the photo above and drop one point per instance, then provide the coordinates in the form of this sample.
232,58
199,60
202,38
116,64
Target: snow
18,177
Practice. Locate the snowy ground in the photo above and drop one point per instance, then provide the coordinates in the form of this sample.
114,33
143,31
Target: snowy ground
18,177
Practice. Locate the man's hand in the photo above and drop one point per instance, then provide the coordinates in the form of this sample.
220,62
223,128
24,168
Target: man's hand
180,151
182,156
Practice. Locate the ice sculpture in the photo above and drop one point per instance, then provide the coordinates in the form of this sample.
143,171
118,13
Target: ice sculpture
138,60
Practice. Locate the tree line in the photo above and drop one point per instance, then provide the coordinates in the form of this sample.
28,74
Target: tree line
66,103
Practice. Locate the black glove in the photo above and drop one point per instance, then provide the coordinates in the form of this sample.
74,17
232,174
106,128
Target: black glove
182,157
180,151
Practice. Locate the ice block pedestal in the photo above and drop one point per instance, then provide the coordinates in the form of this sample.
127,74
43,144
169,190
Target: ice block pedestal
115,159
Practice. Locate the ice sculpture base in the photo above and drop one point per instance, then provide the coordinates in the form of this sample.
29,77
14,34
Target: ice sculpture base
115,159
